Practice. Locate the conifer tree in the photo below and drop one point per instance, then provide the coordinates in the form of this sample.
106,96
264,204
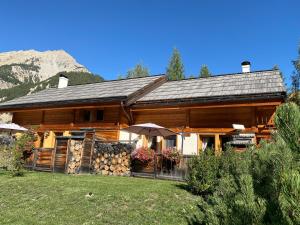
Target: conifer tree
138,71
204,71
175,70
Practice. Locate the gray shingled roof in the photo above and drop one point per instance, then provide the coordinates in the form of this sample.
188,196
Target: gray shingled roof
102,90
260,82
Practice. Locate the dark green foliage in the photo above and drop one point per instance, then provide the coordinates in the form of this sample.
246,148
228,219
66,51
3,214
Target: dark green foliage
204,72
75,78
295,95
12,152
203,171
289,197
15,92
233,200
175,70
30,85
287,120
138,71
259,186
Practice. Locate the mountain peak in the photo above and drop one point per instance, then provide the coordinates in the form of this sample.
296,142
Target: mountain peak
21,66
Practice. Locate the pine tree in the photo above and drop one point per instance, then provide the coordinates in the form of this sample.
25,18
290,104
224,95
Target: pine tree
204,71
175,70
296,80
138,71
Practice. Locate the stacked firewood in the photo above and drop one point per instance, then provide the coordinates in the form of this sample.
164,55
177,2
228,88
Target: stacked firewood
112,159
75,152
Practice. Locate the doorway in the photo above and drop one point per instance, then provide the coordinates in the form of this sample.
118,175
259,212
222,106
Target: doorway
207,142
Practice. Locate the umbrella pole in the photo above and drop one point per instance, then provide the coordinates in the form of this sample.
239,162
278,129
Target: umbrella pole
155,164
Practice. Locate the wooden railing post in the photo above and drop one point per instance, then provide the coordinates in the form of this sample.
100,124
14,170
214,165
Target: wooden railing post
35,156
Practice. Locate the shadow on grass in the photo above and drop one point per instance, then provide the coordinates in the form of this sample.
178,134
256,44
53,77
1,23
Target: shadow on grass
3,172
183,186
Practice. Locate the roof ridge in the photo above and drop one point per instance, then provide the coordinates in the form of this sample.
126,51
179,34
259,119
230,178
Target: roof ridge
225,74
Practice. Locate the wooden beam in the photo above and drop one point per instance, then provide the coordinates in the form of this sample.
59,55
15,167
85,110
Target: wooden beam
215,105
91,106
210,130
145,90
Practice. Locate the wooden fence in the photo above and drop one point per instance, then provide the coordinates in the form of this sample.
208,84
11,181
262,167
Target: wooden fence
74,154
163,168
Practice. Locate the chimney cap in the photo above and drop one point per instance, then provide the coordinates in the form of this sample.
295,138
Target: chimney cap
245,63
62,75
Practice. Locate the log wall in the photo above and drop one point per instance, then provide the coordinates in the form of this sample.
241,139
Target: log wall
214,119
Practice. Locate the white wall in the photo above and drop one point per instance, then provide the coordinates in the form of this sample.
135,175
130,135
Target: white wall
124,136
190,144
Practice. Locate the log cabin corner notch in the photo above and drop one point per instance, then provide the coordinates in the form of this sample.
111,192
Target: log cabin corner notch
203,108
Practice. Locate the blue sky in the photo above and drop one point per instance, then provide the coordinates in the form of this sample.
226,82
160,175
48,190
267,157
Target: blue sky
110,37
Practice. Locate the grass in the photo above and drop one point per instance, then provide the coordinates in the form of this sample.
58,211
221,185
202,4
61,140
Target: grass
46,198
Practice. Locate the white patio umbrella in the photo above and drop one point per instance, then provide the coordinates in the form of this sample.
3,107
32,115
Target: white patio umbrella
11,127
149,129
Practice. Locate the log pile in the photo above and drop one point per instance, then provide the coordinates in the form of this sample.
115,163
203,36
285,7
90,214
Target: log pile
111,159
75,152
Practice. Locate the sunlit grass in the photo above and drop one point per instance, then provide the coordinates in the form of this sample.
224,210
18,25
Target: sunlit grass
46,198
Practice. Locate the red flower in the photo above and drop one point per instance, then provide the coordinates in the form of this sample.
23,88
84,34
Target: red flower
172,154
143,154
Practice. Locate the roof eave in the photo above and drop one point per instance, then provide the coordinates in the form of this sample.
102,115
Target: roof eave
214,99
58,104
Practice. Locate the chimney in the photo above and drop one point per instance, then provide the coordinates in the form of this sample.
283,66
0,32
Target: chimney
246,66
63,81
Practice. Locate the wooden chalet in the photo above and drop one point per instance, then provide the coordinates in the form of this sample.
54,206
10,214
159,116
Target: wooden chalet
203,110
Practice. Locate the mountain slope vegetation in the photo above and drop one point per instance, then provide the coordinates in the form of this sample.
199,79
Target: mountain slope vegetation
34,85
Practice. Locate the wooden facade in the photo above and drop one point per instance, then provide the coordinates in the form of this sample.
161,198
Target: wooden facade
204,120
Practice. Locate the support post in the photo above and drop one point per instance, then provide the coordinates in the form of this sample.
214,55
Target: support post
217,144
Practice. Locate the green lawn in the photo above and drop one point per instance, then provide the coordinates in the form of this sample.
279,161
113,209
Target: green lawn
46,198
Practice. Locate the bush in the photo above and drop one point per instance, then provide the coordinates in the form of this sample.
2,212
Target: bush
6,157
207,169
260,186
13,153
287,121
203,171
289,197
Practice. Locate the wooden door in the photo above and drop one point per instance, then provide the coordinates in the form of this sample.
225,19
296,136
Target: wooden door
60,157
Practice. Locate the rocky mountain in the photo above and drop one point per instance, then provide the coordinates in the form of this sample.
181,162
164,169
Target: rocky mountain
25,72
18,67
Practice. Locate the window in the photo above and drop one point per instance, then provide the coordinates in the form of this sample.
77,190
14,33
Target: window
171,141
86,115
99,115
208,142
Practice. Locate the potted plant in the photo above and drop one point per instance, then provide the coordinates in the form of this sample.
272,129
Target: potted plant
170,158
143,159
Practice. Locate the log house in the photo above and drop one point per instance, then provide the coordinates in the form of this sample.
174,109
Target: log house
203,110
